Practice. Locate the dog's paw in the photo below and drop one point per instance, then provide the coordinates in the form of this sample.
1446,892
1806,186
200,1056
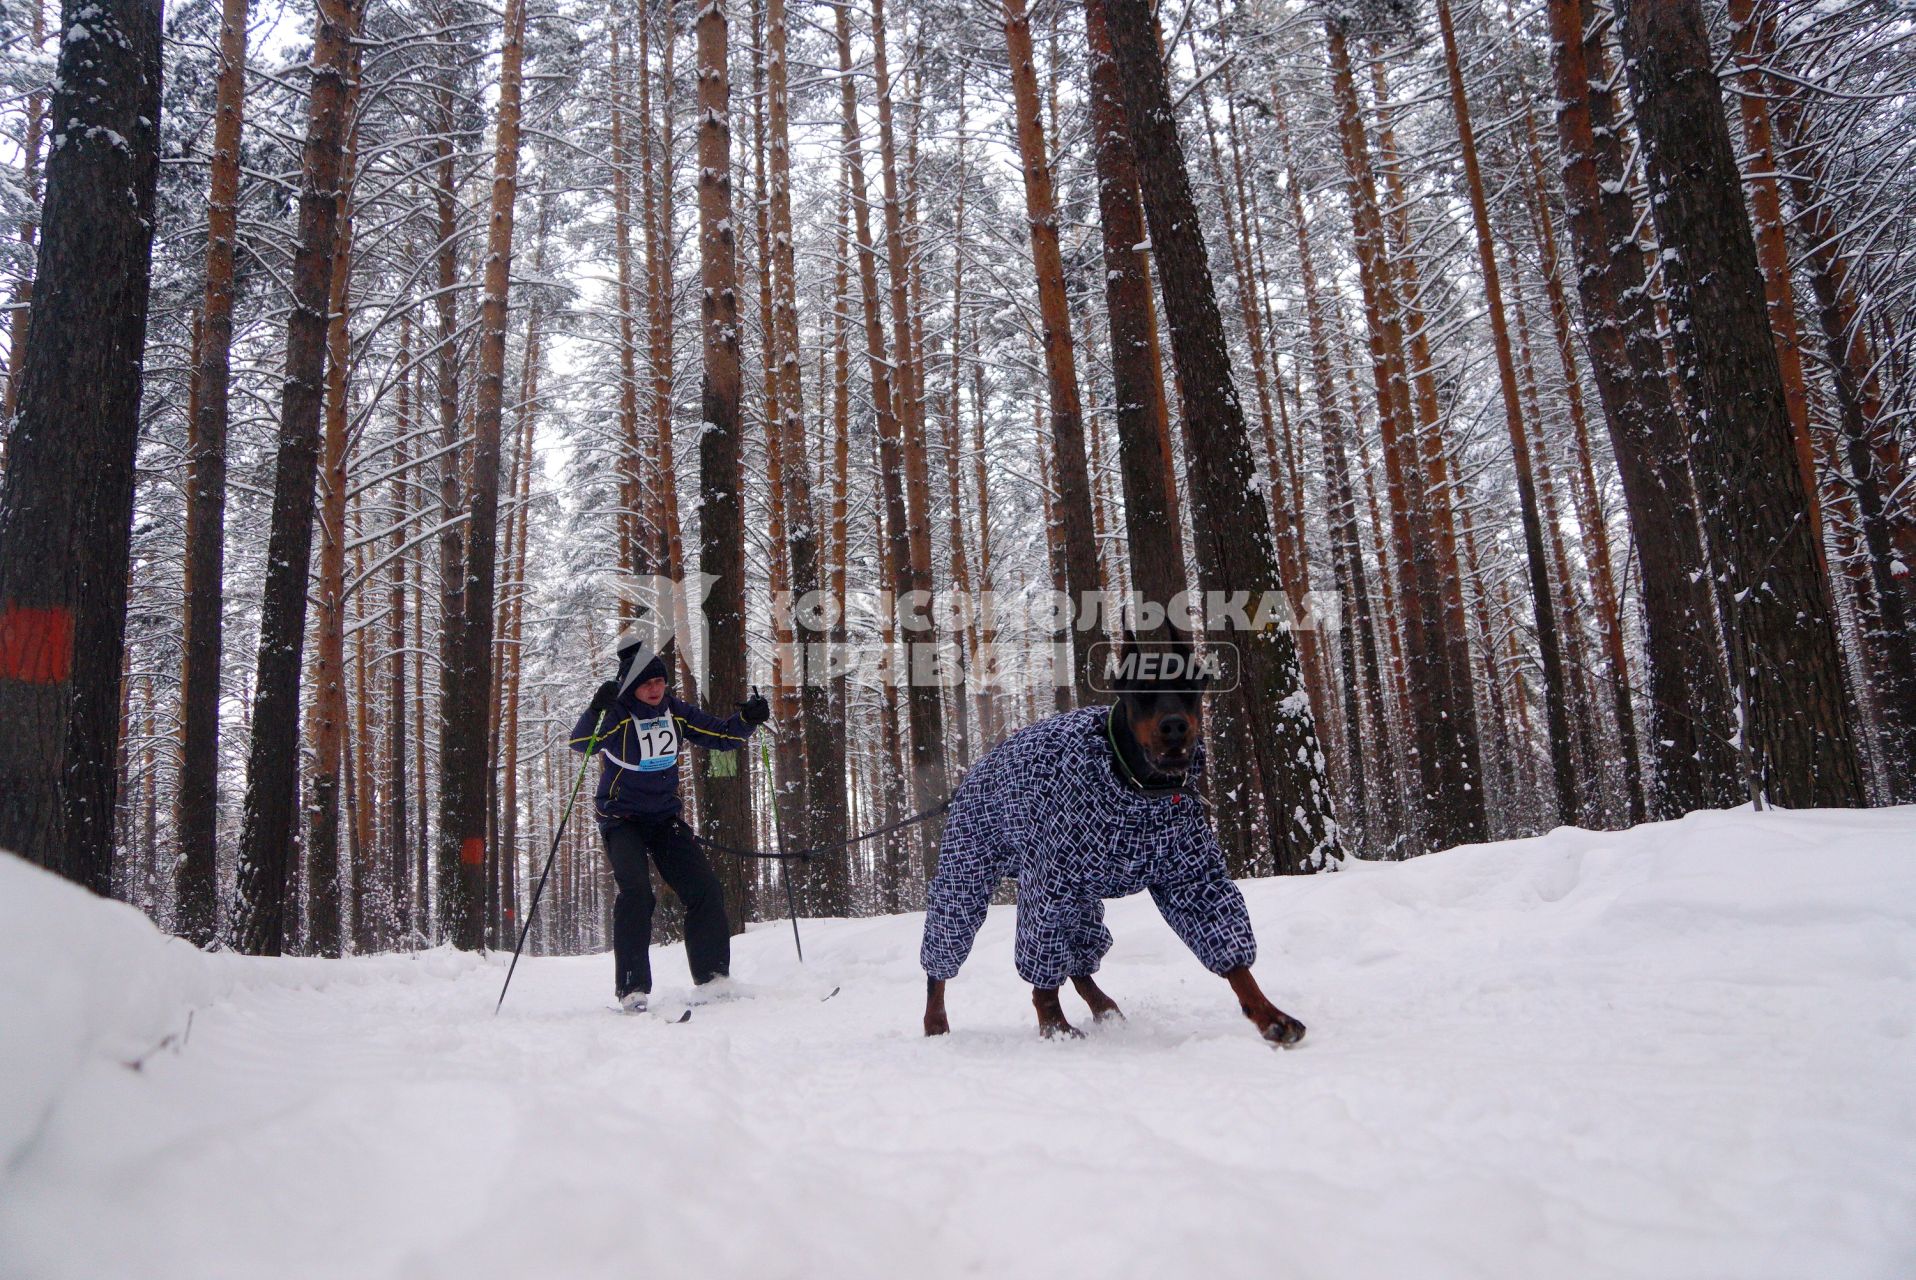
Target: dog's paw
1111,1015
1060,1031
937,1024
1283,1031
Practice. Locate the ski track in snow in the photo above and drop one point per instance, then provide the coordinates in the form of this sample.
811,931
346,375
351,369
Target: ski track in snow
1684,1051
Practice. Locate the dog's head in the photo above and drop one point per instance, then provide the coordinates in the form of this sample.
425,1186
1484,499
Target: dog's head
1160,686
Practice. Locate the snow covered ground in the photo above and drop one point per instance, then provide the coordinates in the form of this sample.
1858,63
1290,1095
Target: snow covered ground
1686,1051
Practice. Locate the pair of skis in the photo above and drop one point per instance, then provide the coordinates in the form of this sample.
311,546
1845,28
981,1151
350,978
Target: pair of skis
676,1013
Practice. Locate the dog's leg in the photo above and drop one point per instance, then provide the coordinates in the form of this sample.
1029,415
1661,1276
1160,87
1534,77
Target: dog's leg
1272,1022
1051,1014
1103,1007
936,1024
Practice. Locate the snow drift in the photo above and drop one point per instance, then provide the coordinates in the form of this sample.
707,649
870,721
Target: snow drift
1687,1050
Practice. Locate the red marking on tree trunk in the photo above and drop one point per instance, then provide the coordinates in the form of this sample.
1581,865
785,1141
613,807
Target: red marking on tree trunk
472,851
36,645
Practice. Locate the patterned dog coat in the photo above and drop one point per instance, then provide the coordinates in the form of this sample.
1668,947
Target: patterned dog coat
1047,806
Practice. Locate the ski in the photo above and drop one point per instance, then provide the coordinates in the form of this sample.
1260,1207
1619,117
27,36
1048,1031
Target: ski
681,1011
656,1015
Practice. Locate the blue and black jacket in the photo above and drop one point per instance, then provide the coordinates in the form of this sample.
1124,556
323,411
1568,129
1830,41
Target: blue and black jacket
639,750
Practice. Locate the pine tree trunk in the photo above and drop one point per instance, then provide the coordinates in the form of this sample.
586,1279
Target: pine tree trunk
362,794
66,498
1690,714
631,485
1427,463
1549,644
1153,540
196,811
1235,551
398,850
1060,360
272,771
726,803
1451,814
1772,245
885,396
463,750
1783,635
326,722
1871,454
1361,624
1596,536
923,696
515,608
824,743
454,450
661,252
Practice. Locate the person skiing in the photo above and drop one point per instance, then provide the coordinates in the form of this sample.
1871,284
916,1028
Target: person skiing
637,805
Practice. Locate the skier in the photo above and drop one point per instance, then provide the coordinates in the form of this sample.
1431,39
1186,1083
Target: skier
637,804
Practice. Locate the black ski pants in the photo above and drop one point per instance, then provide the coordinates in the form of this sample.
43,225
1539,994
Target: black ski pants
708,935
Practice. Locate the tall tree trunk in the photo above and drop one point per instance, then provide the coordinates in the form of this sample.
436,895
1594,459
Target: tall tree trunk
1783,635
631,483
835,887
66,499
1153,539
1549,644
787,815
196,811
454,450
1596,536
1772,245
923,695
1061,372
1360,636
1690,719
272,767
1451,815
884,387
727,800
1234,542
399,859
326,724
513,653
1871,454
824,743
362,796
660,252
1428,455
463,763
964,631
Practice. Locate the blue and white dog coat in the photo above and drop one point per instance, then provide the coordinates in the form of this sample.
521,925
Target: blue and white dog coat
1047,806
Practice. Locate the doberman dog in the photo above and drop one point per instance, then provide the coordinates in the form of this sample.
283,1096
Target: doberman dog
1091,804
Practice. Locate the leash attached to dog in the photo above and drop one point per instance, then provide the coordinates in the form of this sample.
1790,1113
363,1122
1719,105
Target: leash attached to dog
819,850
591,745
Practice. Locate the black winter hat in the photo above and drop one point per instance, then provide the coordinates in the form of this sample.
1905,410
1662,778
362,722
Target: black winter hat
638,662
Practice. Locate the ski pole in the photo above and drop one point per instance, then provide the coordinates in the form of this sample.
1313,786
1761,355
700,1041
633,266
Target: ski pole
591,745
778,839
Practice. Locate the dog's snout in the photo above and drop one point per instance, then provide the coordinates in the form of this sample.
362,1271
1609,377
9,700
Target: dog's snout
1174,729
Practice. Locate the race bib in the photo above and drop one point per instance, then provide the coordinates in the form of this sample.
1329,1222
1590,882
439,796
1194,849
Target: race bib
658,743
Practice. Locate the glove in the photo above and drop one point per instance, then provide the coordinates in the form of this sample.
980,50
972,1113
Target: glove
755,710
604,701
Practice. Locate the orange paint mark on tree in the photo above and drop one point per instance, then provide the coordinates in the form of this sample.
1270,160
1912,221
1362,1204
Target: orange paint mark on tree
472,851
36,645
